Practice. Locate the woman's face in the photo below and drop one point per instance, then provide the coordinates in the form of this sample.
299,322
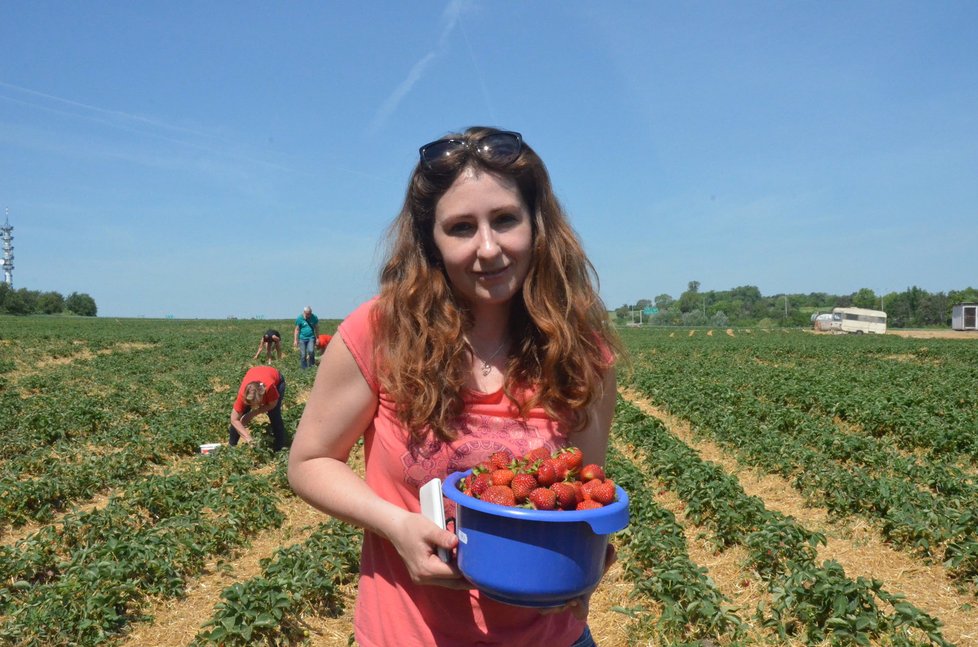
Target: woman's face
483,233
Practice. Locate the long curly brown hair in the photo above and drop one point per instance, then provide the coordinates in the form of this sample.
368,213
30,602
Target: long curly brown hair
563,344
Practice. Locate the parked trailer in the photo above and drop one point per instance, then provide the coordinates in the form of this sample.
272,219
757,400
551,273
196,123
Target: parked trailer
964,316
860,320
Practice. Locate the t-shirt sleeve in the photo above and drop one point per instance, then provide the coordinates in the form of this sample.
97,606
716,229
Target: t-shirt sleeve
357,331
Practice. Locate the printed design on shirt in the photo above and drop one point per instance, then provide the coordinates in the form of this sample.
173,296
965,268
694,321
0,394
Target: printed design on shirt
478,437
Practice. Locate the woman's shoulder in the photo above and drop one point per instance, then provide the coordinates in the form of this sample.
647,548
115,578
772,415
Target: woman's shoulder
357,332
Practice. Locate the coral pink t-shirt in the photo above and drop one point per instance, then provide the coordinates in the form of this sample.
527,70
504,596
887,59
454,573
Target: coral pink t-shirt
391,609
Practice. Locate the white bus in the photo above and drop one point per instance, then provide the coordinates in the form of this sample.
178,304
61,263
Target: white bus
859,320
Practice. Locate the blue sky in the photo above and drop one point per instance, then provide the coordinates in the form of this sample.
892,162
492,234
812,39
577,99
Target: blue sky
244,159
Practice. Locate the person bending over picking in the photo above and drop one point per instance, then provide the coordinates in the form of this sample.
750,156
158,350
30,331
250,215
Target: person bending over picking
271,342
261,391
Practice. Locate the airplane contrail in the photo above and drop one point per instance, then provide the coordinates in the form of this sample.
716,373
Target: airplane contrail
450,19
117,114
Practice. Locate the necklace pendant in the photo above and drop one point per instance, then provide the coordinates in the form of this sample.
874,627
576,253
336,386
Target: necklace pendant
486,368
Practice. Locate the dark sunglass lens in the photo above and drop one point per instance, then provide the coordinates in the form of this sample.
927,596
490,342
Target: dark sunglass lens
501,148
438,151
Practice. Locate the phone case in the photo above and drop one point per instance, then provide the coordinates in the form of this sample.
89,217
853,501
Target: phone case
433,507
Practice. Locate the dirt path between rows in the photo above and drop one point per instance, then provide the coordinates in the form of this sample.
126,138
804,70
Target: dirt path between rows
178,621
855,545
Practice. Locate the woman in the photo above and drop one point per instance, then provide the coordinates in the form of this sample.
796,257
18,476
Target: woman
261,391
487,334
270,342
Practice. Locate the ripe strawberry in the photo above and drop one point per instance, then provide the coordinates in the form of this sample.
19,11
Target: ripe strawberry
500,459
591,472
484,466
543,498
500,495
587,487
502,476
562,470
571,458
547,473
578,490
534,457
537,454
588,504
479,484
604,492
566,495
522,485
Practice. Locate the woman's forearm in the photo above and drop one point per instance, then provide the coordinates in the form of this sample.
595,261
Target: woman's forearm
239,424
329,485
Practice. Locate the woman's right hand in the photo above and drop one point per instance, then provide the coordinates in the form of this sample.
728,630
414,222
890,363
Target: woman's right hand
417,541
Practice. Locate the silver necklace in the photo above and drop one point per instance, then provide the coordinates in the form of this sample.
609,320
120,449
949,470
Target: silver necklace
486,366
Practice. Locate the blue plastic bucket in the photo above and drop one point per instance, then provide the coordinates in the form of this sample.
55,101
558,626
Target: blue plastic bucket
532,558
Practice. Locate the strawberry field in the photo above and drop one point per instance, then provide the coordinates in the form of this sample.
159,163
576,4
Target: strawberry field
786,488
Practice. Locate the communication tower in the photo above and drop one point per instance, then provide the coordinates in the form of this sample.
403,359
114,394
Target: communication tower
6,235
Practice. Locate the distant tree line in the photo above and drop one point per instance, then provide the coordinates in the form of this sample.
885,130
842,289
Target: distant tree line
746,306
34,302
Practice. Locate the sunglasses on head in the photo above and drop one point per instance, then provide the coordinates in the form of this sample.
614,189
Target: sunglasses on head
498,148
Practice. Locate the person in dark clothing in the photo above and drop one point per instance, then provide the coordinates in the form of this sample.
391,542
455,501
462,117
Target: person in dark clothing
271,342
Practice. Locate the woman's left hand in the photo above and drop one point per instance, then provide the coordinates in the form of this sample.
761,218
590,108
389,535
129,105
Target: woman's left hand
417,540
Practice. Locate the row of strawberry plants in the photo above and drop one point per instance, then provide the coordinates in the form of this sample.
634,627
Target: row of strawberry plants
139,418
819,601
656,560
38,498
296,581
48,474
115,373
921,394
84,580
785,397
803,449
923,505
918,396
50,478
102,399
